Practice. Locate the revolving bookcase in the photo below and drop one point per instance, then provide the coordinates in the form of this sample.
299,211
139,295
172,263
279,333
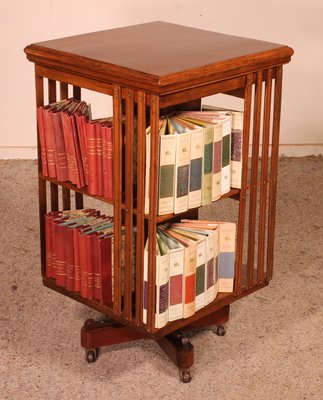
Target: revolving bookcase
150,70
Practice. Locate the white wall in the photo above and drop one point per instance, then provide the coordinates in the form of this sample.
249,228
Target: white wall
292,22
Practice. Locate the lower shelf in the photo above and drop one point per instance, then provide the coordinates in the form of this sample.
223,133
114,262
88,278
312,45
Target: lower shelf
222,300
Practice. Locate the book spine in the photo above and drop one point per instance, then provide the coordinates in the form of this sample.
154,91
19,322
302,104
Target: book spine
107,162
236,149
61,156
77,269
48,244
42,141
166,174
60,255
200,275
207,166
162,291
226,157
70,263
227,254
196,164
182,167
217,162
69,147
106,270
189,281
176,271
210,269
99,161
91,157
83,265
80,126
50,142
79,172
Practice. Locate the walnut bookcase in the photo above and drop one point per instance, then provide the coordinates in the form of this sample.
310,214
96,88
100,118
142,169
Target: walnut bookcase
150,69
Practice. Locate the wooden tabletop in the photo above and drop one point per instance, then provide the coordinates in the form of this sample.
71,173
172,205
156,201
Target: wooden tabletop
156,55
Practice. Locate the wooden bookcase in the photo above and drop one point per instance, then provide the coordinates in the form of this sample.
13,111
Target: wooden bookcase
150,69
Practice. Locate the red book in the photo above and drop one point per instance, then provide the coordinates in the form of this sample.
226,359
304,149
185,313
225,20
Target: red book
80,181
107,162
71,160
103,269
61,155
70,262
99,158
77,265
83,265
50,141
48,245
42,141
80,124
91,157
60,255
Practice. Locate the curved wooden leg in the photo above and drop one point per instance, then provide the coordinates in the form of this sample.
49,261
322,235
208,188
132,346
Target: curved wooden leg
180,350
97,334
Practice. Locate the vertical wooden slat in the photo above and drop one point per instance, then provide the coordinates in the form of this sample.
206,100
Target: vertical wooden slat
152,224
52,96
254,181
263,177
244,183
63,87
41,183
274,171
78,196
66,196
117,186
140,238
129,142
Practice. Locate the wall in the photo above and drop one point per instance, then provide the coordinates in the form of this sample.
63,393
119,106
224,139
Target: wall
288,22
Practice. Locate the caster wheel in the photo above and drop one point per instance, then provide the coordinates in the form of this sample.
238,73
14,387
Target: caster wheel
91,355
185,375
220,331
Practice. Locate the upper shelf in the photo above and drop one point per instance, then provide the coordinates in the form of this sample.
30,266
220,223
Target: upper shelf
158,57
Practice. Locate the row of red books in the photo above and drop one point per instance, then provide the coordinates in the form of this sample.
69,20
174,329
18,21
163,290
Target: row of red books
79,256
75,148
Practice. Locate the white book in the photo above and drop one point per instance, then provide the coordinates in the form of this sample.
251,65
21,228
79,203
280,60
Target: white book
236,145
182,165
227,240
162,284
176,271
217,162
166,174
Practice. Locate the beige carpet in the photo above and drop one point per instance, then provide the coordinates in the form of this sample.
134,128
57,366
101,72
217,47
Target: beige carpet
272,349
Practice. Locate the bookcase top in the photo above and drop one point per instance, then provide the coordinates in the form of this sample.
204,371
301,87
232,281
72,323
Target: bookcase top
158,57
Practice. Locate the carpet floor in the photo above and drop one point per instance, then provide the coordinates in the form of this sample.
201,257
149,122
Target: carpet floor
272,349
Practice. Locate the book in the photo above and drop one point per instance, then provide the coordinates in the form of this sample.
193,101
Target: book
167,155
227,246
176,271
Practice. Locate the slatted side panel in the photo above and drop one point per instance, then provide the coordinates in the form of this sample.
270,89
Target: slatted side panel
274,171
244,186
256,223
264,177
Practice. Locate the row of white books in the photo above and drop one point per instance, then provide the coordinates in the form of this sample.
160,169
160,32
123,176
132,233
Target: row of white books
194,262
199,159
